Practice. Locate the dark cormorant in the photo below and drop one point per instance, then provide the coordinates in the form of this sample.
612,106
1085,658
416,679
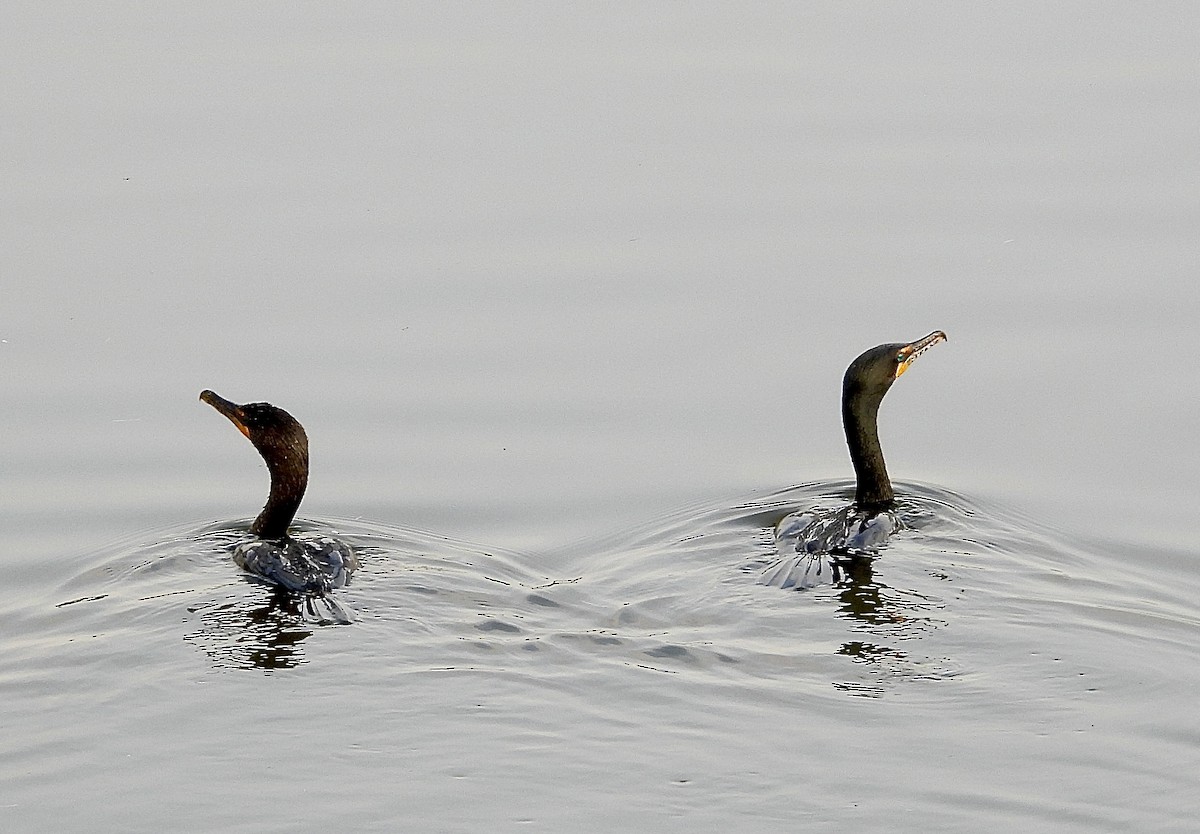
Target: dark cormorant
805,538
311,565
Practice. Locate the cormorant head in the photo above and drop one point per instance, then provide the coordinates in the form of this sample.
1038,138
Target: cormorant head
871,375
277,435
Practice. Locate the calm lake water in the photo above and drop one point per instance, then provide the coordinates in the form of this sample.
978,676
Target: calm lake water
563,297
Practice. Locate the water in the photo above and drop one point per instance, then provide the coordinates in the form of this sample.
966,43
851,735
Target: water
485,688
563,300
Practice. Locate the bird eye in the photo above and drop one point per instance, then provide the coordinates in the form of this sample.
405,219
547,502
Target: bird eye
901,356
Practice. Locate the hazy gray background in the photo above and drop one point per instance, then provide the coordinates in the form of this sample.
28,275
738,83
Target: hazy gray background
526,270
535,272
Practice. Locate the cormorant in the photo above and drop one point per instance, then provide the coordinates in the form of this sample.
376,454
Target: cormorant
863,527
309,565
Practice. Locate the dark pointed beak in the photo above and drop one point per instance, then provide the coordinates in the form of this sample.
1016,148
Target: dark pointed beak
230,409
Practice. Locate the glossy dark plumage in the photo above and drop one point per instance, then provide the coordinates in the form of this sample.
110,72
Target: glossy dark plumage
311,565
805,538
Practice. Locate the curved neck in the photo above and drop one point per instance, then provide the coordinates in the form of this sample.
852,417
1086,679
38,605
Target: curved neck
289,479
874,489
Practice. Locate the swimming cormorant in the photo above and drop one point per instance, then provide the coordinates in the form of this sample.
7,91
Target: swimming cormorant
805,538
309,565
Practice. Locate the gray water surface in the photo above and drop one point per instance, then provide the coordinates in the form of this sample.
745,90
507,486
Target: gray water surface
643,679
563,297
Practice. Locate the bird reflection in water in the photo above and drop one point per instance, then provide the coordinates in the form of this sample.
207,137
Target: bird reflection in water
886,614
248,634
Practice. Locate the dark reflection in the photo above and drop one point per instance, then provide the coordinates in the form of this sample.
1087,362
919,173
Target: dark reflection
884,609
871,652
882,659
861,600
883,612
860,594
244,634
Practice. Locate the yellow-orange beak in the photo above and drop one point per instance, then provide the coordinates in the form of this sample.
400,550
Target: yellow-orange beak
911,351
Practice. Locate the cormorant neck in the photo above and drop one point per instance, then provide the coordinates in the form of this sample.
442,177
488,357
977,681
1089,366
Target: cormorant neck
860,418
289,479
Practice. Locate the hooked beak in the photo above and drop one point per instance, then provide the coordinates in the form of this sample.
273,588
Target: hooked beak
231,410
911,351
